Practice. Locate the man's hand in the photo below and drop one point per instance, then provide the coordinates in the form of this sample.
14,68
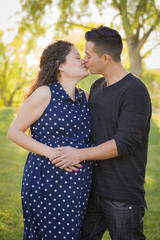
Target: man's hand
68,157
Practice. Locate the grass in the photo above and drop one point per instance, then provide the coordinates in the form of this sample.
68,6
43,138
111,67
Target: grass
12,160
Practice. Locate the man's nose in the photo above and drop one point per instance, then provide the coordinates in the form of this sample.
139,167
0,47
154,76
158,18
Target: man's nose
85,59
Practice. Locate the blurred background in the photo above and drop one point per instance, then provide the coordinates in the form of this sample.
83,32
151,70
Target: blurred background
26,27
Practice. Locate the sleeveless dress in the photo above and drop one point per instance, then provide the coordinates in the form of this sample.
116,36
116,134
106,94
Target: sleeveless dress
53,200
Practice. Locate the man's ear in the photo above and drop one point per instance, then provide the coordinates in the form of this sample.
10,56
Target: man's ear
106,58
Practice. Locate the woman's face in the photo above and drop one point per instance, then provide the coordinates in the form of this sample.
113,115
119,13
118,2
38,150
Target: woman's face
74,67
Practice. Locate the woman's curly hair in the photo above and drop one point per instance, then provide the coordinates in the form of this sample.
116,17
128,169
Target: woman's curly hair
53,55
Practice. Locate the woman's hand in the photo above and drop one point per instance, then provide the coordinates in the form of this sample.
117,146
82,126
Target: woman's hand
68,156
72,168
57,155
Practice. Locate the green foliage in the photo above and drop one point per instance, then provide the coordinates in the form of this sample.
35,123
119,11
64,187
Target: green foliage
135,15
138,15
8,79
33,11
12,160
14,73
86,82
152,81
138,19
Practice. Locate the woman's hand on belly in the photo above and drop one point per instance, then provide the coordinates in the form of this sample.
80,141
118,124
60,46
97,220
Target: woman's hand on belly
68,157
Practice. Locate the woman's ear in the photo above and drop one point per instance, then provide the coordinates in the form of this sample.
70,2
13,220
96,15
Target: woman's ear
61,67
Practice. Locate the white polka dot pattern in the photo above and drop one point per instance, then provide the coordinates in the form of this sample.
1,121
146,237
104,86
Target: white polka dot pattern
53,200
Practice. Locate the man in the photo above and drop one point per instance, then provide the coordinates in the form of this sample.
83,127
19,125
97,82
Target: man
120,110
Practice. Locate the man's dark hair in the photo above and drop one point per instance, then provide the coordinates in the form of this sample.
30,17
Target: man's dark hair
106,40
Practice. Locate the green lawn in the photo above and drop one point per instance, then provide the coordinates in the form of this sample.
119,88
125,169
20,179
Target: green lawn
12,160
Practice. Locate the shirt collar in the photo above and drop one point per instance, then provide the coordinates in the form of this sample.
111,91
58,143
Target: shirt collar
62,95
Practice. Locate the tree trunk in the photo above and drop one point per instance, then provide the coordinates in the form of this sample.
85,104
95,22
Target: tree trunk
134,57
10,102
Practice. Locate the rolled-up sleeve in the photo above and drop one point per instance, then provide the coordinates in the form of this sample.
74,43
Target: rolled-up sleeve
134,119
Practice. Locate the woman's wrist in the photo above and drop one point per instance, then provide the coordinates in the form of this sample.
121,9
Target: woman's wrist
48,152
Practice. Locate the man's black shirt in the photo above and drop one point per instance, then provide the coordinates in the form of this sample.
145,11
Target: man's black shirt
122,112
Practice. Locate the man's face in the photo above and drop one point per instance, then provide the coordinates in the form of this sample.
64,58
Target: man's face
92,59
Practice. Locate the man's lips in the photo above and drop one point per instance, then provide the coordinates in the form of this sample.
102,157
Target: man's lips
85,67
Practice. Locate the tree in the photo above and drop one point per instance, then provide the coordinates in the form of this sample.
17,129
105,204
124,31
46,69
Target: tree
139,18
13,74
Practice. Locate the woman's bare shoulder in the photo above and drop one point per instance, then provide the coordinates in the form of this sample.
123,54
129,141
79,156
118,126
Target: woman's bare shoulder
41,94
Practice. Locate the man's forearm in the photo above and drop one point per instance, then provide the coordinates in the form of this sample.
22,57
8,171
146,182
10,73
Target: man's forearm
103,151
70,156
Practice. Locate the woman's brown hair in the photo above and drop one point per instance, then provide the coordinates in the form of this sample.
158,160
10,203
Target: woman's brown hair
53,55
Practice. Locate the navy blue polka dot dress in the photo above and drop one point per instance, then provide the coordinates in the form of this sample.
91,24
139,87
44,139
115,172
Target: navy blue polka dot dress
54,201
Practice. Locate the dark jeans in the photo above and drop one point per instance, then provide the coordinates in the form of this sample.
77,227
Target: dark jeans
123,221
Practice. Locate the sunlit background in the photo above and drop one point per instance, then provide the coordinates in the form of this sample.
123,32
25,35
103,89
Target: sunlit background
19,58
8,19
25,33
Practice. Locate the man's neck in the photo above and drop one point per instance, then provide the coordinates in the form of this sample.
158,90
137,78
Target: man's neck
114,73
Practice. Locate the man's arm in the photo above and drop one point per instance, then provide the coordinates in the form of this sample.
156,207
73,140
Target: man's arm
72,156
133,122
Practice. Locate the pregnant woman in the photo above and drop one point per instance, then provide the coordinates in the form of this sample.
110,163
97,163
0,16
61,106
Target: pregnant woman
54,200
